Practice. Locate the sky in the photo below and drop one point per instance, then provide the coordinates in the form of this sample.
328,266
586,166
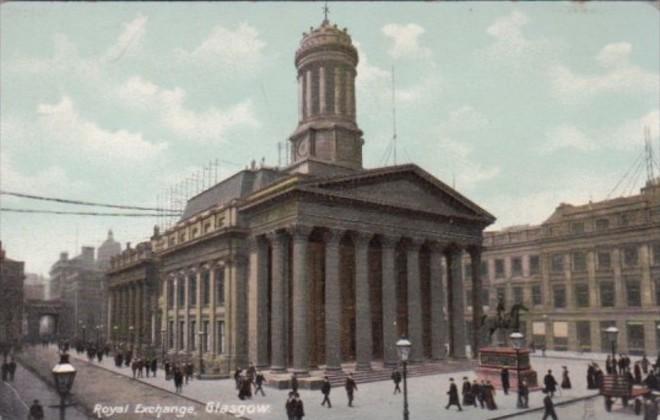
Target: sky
520,105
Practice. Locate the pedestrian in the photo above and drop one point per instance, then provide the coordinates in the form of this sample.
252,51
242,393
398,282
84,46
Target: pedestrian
140,366
252,372
477,393
466,392
396,378
504,376
99,356
542,350
489,396
36,411
645,364
294,383
290,406
237,378
168,370
591,380
599,377
650,408
608,365
5,371
523,395
147,366
178,379
550,383
565,380
189,371
258,382
622,363
325,390
11,369
351,387
299,410
134,367
638,373
154,367
453,396
549,406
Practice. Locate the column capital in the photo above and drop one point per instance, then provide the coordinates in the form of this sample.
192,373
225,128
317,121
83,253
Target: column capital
453,249
414,243
234,260
299,232
475,251
389,241
438,246
332,235
361,238
276,236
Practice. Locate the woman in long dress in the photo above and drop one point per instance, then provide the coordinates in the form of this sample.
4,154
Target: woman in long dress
565,380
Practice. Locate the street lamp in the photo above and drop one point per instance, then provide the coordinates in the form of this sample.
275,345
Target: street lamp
63,375
612,333
403,347
517,340
163,333
201,334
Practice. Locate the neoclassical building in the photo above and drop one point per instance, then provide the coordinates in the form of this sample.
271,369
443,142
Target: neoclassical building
322,262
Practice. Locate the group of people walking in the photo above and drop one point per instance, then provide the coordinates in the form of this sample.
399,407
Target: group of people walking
8,369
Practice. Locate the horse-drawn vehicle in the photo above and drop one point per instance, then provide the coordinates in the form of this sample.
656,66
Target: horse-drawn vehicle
621,386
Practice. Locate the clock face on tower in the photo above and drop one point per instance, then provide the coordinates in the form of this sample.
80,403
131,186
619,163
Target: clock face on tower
302,149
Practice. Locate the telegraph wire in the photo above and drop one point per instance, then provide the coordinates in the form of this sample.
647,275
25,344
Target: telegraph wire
81,213
77,202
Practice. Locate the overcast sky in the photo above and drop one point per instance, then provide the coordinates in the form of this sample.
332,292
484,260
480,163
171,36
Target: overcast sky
525,105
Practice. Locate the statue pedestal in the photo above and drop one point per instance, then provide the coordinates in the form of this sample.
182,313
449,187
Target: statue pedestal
493,359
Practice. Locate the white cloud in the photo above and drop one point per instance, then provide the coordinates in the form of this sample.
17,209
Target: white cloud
619,76
630,133
567,137
508,35
169,105
464,118
405,40
63,123
129,41
239,49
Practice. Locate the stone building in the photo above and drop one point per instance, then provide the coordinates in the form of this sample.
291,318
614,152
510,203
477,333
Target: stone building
133,292
322,262
108,249
34,287
584,269
11,301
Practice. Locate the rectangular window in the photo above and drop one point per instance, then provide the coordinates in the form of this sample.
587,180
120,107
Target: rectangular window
485,297
606,294
602,224
582,295
534,265
537,298
206,289
220,287
499,268
484,269
579,261
538,333
605,344
181,286
577,227
560,335
557,263
604,260
635,338
584,335
624,219
517,295
516,266
192,293
170,335
633,293
170,293
221,336
192,336
559,295
630,256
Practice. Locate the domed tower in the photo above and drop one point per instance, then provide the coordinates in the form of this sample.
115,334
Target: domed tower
327,131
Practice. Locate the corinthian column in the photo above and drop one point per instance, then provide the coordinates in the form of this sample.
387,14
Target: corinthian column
414,301
300,301
438,323
363,338
388,245
477,307
278,304
332,301
455,303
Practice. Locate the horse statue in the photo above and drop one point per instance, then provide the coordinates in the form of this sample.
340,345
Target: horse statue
504,321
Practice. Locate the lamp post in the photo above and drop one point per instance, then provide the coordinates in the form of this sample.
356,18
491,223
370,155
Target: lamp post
517,340
115,328
612,333
63,375
130,337
163,337
403,347
201,334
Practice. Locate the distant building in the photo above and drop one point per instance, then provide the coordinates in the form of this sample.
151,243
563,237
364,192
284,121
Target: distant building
584,269
34,287
11,301
108,249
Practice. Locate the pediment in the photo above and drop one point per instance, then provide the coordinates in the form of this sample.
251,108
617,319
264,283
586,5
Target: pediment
406,187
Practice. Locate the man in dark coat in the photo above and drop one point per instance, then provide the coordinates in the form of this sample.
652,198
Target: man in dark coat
36,411
5,371
290,406
523,395
549,407
477,392
178,379
504,376
396,378
325,390
351,387
11,369
550,383
638,373
466,392
294,383
299,409
237,378
258,383
453,396
154,367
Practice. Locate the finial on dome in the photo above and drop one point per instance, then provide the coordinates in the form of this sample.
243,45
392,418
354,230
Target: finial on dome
326,10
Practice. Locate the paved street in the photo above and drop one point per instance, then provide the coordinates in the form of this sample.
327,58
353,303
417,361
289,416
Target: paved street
427,397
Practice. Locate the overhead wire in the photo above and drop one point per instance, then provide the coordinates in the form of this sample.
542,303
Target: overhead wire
79,213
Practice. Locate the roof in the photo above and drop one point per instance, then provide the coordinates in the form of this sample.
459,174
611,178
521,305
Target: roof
236,186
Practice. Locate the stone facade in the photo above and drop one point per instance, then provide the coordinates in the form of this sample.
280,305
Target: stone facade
322,262
11,301
133,319
584,269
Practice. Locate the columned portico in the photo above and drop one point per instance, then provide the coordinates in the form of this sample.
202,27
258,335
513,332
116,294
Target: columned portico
364,345
300,235
279,253
414,300
332,300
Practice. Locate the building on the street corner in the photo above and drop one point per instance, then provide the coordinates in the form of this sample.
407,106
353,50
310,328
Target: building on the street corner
321,262
11,301
132,280
34,287
584,269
